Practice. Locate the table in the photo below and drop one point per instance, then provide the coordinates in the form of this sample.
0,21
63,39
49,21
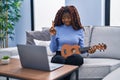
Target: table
14,70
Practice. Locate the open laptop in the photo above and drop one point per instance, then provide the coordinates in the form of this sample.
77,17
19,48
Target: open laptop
35,57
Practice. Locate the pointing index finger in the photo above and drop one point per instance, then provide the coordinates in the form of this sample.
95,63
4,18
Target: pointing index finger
53,24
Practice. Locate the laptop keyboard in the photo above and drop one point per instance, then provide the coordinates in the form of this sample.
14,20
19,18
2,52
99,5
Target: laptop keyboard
55,65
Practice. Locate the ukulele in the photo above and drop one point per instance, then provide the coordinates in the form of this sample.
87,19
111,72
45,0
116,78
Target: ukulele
68,50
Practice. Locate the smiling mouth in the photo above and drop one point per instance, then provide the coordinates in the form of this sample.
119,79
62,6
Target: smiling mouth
67,23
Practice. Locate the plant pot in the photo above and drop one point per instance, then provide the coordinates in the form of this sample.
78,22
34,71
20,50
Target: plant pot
5,61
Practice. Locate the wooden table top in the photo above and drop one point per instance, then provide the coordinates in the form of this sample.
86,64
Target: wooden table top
14,69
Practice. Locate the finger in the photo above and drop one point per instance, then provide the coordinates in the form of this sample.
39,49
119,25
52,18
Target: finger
53,23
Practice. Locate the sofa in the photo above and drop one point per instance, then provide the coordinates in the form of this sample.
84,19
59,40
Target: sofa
96,66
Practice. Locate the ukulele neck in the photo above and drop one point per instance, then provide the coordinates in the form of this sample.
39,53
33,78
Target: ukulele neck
84,49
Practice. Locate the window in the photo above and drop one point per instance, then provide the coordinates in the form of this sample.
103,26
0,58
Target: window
115,13
45,11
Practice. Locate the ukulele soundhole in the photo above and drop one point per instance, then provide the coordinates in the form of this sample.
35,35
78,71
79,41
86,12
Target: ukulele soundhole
65,52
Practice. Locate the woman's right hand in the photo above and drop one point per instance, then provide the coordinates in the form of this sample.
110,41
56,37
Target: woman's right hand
52,29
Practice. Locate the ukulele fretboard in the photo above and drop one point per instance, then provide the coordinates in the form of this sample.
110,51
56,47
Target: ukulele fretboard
84,49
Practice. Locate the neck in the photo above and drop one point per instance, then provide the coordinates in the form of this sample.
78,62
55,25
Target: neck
67,25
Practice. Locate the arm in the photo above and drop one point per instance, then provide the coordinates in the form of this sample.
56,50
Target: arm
53,43
81,40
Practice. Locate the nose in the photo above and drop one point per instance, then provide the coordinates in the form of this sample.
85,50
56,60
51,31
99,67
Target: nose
66,19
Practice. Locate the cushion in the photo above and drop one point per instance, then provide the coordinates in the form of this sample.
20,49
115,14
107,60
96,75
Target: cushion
11,51
109,36
39,35
44,43
97,68
87,35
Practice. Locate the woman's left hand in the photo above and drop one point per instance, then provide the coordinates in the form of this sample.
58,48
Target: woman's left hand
52,29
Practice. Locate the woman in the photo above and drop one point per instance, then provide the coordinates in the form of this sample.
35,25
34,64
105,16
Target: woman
66,29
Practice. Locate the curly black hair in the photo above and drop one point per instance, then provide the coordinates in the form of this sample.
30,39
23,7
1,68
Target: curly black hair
76,24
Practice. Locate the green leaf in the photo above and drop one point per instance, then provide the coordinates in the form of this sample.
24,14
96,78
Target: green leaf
5,57
9,15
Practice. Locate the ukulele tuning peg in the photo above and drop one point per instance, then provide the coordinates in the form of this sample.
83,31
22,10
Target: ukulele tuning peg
105,46
99,43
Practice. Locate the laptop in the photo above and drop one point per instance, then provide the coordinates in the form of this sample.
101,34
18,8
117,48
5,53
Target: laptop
35,57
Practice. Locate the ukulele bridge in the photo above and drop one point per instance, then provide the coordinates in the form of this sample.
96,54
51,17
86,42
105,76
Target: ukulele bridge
73,50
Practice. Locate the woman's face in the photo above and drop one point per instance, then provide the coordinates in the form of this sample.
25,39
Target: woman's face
66,19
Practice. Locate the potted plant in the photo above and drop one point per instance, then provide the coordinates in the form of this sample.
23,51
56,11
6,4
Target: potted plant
5,60
9,15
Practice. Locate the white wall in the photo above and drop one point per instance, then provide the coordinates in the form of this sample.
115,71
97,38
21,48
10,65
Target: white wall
45,11
115,13
91,11
24,24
